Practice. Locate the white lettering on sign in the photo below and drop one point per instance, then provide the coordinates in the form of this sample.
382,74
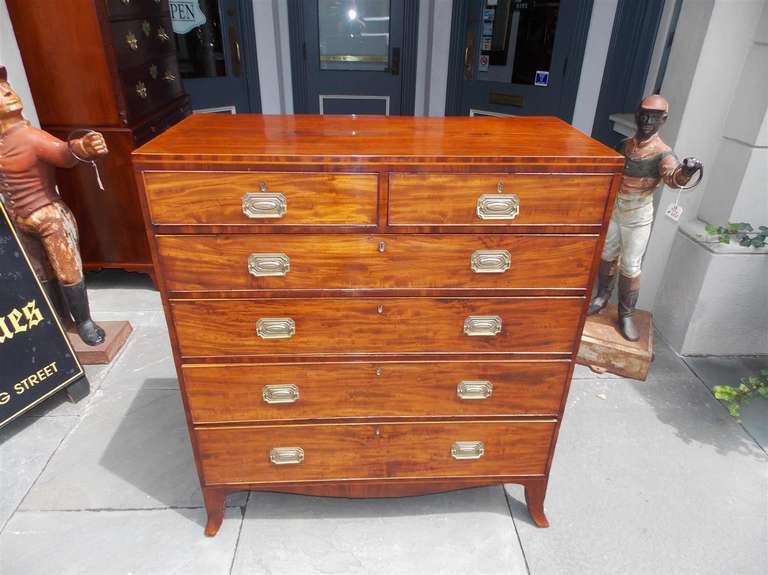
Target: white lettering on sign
186,15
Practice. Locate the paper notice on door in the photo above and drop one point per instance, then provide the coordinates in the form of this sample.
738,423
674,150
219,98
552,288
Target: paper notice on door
484,59
186,15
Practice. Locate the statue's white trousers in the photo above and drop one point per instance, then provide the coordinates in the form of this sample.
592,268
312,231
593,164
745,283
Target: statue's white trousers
628,233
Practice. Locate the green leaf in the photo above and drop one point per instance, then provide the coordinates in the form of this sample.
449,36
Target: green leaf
763,391
725,239
722,230
734,409
764,371
744,388
758,243
763,228
745,241
725,392
754,380
710,229
745,227
733,228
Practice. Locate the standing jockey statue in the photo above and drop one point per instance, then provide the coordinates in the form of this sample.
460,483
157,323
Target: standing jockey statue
45,225
649,161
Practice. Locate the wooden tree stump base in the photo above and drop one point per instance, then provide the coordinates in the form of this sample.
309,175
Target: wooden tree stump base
603,348
117,335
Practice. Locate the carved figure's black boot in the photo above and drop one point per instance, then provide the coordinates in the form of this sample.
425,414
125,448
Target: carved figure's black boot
77,298
605,277
53,291
629,289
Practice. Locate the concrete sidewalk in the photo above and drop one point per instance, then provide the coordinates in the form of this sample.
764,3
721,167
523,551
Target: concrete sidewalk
649,477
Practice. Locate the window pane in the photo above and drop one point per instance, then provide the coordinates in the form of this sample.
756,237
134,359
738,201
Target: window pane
200,50
354,34
534,40
516,40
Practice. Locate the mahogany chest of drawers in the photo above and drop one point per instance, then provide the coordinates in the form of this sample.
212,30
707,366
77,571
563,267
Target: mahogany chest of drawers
374,306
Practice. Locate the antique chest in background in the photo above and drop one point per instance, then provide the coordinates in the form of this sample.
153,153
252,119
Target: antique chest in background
372,306
106,65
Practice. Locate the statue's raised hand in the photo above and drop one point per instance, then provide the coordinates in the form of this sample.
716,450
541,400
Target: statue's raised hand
94,145
89,147
690,166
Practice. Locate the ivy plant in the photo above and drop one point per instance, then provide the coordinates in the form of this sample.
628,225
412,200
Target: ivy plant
736,397
742,233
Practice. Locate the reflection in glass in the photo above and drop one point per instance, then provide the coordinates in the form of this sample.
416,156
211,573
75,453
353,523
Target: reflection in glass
518,38
354,34
201,50
535,39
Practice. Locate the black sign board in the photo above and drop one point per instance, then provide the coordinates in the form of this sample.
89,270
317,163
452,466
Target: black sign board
36,359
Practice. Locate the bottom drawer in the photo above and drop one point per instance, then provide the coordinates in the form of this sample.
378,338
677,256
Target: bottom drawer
290,453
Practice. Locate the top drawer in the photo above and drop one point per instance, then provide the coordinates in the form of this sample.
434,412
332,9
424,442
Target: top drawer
497,199
263,198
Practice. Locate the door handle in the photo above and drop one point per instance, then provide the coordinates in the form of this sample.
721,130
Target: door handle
236,58
395,65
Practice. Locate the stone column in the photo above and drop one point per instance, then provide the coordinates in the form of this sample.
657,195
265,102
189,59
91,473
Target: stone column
713,298
712,40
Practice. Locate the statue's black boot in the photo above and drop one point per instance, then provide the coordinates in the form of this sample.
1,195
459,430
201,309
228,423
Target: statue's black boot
605,277
629,289
53,291
77,298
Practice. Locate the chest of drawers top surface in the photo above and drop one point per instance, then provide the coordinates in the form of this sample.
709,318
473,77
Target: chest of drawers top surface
362,139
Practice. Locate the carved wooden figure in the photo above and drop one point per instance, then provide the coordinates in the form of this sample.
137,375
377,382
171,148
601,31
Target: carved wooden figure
46,226
649,162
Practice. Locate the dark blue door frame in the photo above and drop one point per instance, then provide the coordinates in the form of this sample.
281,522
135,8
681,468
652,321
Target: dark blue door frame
635,27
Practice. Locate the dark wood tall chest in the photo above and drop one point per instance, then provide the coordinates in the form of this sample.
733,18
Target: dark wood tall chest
107,65
375,306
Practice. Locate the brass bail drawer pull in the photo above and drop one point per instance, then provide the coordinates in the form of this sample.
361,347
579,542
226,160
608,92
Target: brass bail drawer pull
483,325
474,389
265,265
287,393
498,206
490,261
275,328
264,205
467,450
286,455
